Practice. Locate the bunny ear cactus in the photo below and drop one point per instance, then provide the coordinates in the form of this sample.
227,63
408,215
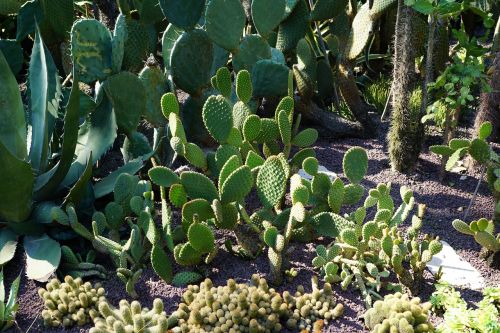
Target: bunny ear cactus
365,252
271,181
483,231
218,118
479,149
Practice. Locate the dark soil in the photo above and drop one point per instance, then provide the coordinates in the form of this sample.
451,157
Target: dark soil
445,202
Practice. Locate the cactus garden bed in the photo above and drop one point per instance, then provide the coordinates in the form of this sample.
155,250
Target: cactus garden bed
250,166
443,203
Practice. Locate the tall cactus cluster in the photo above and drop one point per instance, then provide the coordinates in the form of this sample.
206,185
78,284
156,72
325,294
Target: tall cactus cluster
399,313
260,40
254,307
405,135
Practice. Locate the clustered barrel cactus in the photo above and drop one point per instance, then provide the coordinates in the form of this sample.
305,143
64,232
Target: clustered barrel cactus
133,318
71,302
399,313
239,307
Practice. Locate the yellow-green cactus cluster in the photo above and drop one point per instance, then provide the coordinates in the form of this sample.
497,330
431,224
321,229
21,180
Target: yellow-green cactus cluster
311,308
132,318
398,313
70,302
253,308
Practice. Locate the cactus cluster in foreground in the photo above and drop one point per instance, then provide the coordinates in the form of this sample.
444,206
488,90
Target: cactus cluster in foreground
70,302
398,313
253,308
132,318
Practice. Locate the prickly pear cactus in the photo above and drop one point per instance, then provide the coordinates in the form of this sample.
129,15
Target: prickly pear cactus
183,14
155,85
191,73
91,50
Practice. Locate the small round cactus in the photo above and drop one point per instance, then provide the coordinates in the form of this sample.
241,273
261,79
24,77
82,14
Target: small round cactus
398,313
70,302
133,318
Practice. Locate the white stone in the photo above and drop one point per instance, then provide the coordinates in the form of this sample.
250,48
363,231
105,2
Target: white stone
456,271
321,169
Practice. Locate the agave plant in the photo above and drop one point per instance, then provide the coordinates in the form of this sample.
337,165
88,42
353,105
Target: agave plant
38,167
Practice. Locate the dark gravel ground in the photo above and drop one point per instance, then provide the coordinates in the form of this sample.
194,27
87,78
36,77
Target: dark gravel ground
444,203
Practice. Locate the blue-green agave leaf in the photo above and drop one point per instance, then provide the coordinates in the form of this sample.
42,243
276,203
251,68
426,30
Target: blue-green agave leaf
43,255
45,95
47,183
12,123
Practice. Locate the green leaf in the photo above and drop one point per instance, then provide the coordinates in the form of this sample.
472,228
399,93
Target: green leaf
485,130
183,13
423,6
43,255
225,21
480,150
106,185
163,176
441,150
170,36
47,183
454,158
12,123
77,192
29,14
17,186
11,302
45,95
267,15
162,264
96,135
13,52
8,244
198,185
128,98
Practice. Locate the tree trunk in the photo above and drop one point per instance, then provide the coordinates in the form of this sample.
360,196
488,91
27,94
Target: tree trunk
106,11
428,65
352,97
330,125
450,124
489,108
